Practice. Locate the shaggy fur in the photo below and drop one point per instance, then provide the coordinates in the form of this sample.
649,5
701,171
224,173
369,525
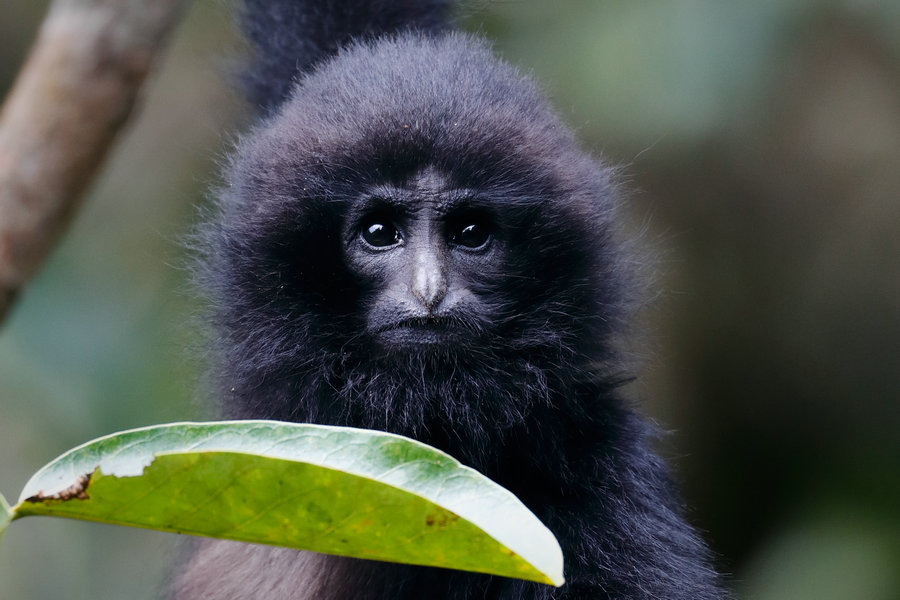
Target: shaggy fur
529,397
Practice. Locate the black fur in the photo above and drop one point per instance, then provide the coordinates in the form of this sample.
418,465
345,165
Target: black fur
289,37
531,399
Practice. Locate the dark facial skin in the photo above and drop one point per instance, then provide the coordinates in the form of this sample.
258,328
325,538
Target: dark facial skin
419,248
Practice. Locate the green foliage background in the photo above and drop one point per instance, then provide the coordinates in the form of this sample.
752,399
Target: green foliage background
760,141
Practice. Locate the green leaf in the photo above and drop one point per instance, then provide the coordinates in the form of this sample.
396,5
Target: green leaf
352,492
5,515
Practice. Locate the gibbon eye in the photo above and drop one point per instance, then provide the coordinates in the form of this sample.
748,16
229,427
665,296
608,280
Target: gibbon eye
380,234
471,235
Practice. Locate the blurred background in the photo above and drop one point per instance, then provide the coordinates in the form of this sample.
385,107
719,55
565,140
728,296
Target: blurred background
760,142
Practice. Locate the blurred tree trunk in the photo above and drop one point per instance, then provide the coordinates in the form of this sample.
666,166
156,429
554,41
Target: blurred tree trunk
76,91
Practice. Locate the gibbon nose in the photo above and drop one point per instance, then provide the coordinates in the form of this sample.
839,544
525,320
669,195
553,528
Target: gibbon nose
429,284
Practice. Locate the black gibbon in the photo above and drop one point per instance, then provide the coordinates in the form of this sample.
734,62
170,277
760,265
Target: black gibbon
409,239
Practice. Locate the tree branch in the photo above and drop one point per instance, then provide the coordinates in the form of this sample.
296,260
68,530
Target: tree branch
74,94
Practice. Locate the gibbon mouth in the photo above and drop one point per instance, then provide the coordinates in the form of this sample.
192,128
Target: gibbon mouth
420,330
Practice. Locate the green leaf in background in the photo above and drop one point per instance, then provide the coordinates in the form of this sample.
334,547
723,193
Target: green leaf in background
352,492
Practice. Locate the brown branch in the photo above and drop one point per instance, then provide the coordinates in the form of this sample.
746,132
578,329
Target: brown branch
74,94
